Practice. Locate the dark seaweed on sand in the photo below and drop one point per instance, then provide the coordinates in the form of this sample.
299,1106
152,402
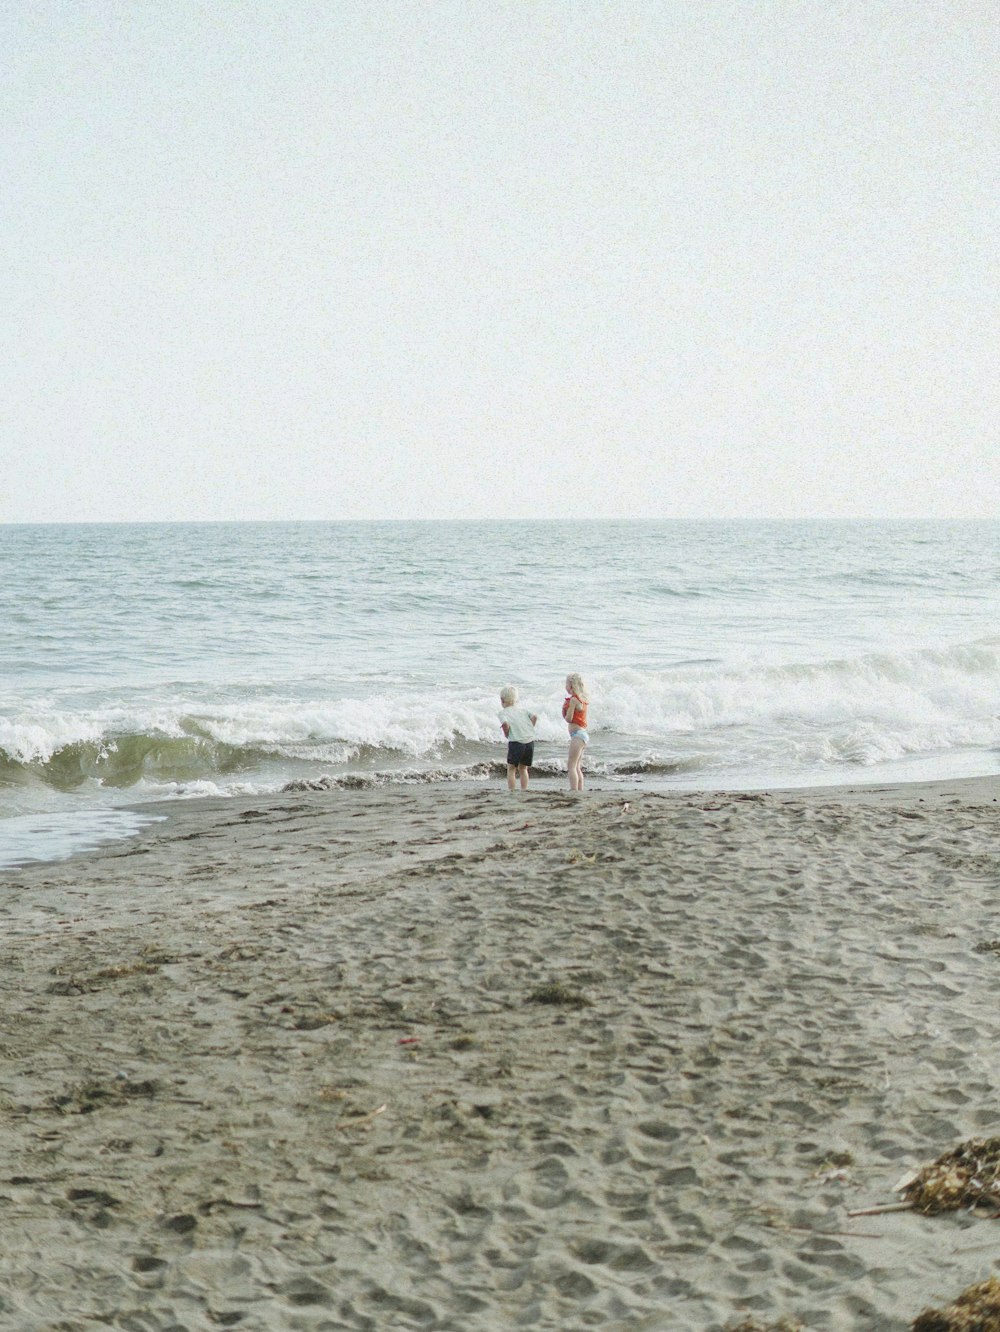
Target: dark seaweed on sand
556,993
967,1176
977,1309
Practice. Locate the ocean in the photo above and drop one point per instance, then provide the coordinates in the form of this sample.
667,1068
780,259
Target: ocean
142,662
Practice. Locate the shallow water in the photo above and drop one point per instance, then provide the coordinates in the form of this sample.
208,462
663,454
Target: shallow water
153,660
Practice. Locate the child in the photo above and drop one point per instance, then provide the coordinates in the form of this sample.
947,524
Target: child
518,725
574,709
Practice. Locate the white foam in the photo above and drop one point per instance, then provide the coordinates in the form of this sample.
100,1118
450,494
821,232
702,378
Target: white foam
836,714
863,710
41,837
35,739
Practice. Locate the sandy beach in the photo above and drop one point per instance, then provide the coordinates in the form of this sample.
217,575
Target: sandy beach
447,1058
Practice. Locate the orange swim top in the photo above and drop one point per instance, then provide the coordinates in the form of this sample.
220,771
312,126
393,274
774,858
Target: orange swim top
579,718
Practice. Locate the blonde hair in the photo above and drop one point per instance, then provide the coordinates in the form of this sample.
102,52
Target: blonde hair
508,696
574,683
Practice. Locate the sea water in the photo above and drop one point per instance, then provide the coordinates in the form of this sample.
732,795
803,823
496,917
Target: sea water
146,661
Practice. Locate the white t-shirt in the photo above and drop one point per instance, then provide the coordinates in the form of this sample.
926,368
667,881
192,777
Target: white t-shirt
519,721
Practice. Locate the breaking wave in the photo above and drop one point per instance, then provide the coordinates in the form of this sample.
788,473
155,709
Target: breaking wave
687,719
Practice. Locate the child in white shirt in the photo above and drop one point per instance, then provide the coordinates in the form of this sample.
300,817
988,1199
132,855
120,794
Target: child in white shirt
518,725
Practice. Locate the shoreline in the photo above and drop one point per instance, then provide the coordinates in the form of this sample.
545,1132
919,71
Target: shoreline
142,813
451,1058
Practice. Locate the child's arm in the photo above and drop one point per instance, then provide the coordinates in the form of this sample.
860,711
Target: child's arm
506,729
534,719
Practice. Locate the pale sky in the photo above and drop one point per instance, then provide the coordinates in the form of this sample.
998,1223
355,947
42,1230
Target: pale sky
267,259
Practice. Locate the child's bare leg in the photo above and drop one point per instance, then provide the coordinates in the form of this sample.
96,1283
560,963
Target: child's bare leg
574,767
511,770
522,772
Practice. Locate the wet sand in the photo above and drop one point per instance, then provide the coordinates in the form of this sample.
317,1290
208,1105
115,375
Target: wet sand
447,1058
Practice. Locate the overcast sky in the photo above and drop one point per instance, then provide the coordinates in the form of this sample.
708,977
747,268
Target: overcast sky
534,258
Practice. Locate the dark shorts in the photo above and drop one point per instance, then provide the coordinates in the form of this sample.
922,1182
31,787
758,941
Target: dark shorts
520,753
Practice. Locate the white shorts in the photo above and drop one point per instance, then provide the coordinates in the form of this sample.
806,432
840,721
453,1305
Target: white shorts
580,734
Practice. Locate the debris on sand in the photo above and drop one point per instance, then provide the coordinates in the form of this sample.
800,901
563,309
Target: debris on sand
977,1309
83,1098
556,993
966,1176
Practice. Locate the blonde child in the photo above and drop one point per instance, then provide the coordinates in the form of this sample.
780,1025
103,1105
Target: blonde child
518,725
574,709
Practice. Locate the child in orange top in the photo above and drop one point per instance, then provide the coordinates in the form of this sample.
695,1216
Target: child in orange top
574,709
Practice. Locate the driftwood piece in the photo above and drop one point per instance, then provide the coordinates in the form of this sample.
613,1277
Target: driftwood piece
882,1209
